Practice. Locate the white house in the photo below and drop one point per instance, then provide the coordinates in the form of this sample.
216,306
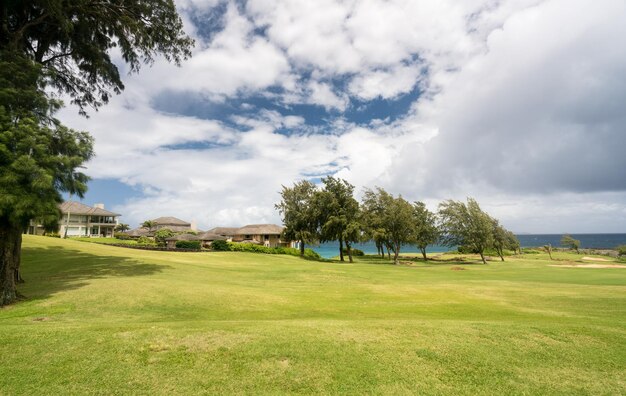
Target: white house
81,220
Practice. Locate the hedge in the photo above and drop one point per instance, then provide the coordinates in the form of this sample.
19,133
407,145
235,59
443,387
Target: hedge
188,245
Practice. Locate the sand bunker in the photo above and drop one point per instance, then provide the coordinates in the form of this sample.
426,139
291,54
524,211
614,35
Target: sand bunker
589,265
595,259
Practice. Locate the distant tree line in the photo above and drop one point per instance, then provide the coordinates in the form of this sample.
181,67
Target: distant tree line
313,214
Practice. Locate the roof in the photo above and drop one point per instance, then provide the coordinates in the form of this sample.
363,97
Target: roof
175,228
78,208
171,221
209,236
183,237
226,231
138,232
260,229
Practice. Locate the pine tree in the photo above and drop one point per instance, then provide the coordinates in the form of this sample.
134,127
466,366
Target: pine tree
63,45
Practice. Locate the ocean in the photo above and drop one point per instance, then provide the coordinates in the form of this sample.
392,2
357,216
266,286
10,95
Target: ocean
597,241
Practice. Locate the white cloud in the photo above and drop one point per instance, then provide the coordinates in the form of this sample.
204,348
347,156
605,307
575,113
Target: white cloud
386,84
523,109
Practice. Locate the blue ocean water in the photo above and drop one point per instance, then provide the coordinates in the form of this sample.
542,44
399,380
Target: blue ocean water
597,241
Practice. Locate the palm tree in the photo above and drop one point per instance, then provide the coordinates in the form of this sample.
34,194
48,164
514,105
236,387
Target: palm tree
149,224
122,227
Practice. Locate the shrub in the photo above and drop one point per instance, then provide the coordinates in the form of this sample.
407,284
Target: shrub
52,235
311,254
145,241
621,250
195,245
355,252
220,245
122,236
466,250
494,252
161,235
252,248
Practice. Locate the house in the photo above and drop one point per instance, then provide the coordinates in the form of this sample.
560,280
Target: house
268,235
171,242
78,219
174,224
205,239
208,237
171,223
227,233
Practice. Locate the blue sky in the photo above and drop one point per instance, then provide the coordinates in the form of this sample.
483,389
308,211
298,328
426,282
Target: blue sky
431,100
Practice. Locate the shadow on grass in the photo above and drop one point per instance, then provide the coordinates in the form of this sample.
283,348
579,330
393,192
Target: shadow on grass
47,271
414,261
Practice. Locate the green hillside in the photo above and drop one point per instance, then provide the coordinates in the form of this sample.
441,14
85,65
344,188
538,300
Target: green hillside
102,319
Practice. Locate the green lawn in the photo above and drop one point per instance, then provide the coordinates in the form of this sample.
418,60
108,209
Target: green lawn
102,319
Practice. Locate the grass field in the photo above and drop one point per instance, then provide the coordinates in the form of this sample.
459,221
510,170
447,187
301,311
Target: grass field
106,320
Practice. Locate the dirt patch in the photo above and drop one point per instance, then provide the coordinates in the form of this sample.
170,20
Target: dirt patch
458,268
595,259
41,319
588,265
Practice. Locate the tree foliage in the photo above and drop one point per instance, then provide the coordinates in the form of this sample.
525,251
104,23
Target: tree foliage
299,213
161,235
122,227
389,220
426,232
63,46
338,214
39,158
466,225
149,224
568,241
503,239
399,224
73,41
373,207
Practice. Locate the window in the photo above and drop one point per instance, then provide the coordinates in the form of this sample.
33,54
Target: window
266,237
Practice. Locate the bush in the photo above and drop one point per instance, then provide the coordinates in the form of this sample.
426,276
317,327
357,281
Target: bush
161,235
311,254
122,236
220,245
252,248
466,250
52,235
621,250
355,252
195,245
145,241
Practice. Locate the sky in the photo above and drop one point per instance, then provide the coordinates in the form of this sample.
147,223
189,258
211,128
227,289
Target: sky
518,104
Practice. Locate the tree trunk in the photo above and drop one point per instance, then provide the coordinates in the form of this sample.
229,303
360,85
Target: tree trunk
340,249
424,253
349,249
10,248
301,248
388,252
482,256
500,253
396,253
